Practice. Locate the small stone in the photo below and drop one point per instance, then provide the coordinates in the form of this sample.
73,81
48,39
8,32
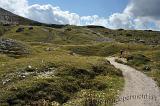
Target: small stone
29,69
23,76
48,49
29,66
5,81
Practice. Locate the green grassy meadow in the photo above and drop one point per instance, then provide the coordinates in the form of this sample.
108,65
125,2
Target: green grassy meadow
67,66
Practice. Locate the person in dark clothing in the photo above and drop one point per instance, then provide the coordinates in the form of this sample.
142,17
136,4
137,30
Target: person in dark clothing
121,53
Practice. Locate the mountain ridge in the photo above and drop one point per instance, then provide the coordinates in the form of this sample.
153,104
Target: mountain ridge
7,17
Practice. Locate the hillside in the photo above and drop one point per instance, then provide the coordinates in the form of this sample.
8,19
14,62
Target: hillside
65,64
7,17
77,35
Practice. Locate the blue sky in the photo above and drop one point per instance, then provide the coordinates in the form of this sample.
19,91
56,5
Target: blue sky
103,8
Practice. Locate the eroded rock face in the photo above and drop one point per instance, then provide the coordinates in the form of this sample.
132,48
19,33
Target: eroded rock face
6,17
9,46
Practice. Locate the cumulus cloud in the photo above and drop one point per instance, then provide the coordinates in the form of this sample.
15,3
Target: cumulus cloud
50,14
15,6
93,20
144,8
120,20
54,15
144,12
138,14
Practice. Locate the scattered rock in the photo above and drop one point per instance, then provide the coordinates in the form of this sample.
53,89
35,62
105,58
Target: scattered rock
45,74
9,46
72,53
142,41
20,30
29,66
155,42
30,69
22,74
6,81
55,103
146,68
30,28
48,49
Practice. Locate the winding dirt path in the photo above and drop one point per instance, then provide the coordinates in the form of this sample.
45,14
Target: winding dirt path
139,90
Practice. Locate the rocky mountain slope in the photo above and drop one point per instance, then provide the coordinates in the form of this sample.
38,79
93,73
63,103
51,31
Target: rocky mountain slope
7,17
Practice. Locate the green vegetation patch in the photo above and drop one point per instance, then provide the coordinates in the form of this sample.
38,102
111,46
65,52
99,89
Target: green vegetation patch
56,76
138,59
147,62
106,49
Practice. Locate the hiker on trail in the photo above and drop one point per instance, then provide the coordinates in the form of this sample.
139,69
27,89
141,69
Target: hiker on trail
121,53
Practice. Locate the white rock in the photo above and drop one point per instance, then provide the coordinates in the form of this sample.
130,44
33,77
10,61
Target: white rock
29,66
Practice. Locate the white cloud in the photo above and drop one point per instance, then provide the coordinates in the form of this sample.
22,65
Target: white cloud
16,6
144,12
120,20
136,15
54,15
93,20
144,8
50,14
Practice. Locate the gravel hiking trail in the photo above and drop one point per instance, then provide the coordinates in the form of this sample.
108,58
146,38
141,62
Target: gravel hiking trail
139,90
